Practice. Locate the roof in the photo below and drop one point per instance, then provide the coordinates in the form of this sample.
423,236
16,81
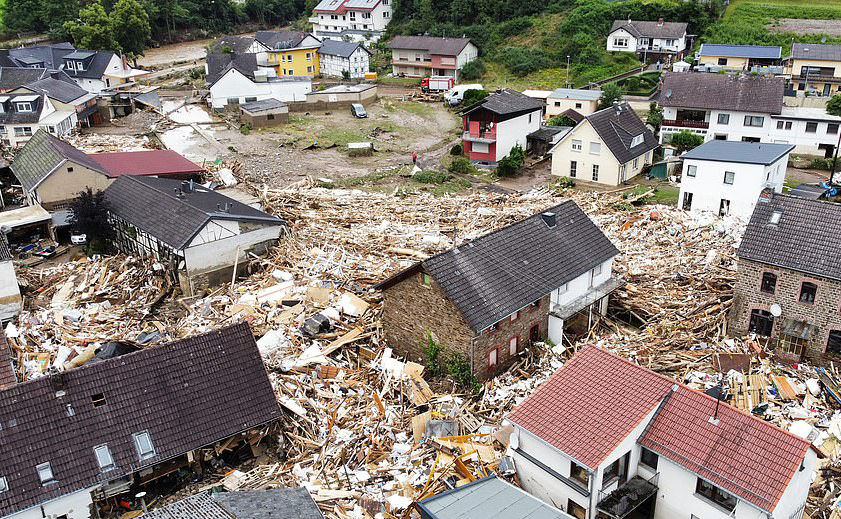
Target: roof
499,273
806,113
617,126
811,191
263,106
50,55
151,162
95,69
27,215
11,115
547,133
152,205
807,237
741,152
5,60
489,498
186,394
7,371
431,44
816,51
740,51
506,102
343,49
280,39
742,93
286,503
237,44
42,154
576,93
11,78
81,54
61,91
638,29
219,64
573,114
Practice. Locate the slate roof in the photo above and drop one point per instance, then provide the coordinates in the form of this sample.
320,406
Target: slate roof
488,498
741,152
237,44
219,64
741,51
646,29
281,503
807,237
147,162
50,55
42,154
11,115
5,60
61,91
262,105
151,204
280,39
12,78
816,51
742,93
186,394
431,44
94,67
499,273
507,102
576,93
617,126
342,49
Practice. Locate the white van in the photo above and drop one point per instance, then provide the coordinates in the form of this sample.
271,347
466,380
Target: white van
456,94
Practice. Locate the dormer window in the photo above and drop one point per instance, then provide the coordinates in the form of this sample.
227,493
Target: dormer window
80,65
23,107
637,140
4,484
45,473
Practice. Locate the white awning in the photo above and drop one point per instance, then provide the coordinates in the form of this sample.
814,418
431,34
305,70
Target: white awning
26,98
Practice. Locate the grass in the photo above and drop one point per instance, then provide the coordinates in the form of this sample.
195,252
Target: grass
665,194
781,3
399,81
424,110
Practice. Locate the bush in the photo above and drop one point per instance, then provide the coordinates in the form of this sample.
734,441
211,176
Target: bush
560,120
632,83
473,70
461,166
510,165
522,61
245,128
685,140
821,163
459,368
566,182
456,150
432,177
432,351
473,96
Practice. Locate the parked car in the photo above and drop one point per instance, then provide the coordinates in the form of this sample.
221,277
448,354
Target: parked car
358,110
456,94
79,239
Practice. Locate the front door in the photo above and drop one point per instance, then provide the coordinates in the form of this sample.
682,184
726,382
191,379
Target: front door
534,333
827,89
724,208
687,201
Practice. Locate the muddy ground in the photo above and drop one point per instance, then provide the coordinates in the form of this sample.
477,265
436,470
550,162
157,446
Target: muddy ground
807,26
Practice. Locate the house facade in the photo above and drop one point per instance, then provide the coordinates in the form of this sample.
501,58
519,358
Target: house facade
335,58
419,56
492,127
290,53
608,147
357,21
235,83
66,97
97,71
815,68
585,102
738,57
726,177
663,41
607,438
788,286
23,114
487,299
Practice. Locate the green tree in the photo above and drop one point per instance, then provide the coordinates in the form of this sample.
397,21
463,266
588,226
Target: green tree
473,70
510,165
130,24
56,12
560,120
473,96
610,92
685,140
24,15
655,115
89,216
92,30
833,106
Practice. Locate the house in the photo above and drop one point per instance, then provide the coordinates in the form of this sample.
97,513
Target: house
40,56
609,147
738,57
584,102
229,44
351,20
788,285
12,78
419,56
604,437
290,53
98,71
815,68
661,41
335,58
726,177
343,96
720,106
110,425
497,123
286,503
66,96
237,79
10,301
487,498
812,131
268,112
548,275
201,235
22,115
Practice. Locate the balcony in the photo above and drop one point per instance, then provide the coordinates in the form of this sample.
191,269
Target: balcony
685,123
488,137
632,500
818,78
313,19
656,48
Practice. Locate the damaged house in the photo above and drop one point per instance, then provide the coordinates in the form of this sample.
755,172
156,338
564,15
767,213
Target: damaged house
606,438
548,275
201,235
11,302
112,426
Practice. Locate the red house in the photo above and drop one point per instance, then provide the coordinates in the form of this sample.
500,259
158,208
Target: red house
497,123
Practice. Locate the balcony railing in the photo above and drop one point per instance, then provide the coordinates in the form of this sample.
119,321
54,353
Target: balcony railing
628,497
655,48
685,123
817,78
479,136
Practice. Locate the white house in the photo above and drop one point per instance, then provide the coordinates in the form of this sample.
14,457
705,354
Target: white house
336,57
21,115
353,20
812,131
607,147
604,437
96,71
664,41
492,127
419,56
10,301
584,102
726,177
236,79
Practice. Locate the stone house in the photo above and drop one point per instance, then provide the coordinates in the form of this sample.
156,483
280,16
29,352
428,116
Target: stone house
546,276
788,287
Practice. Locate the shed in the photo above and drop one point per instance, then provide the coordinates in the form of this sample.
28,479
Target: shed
664,168
539,142
25,222
267,112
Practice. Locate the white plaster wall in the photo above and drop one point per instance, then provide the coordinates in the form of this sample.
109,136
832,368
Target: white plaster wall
580,285
803,142
555,106
357,64
216,230
234,84
563,155
211,256
514,131
467,54
621,33
94,86
10,300
798,488
75,506
736,128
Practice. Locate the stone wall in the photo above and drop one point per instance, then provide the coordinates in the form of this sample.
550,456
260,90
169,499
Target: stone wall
825,312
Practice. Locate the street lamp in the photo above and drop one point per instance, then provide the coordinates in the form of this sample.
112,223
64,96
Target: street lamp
568,83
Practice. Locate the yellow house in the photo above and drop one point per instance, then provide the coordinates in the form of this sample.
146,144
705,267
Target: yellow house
815,68
290,53
738,57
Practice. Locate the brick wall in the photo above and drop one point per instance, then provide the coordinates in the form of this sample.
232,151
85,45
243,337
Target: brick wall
825,312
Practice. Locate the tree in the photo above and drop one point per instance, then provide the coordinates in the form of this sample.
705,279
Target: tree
23,16
510,165
685,140
611,93
560,120
655,115
89,216
833,106
130,24
473,96
92,30
473,70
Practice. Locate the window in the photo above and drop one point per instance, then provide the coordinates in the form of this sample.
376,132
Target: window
515,315
620,42
309,70
103,457
595,172
98,399
729,177
309,56
143,444
637,140
576,145
723,118
386,14
45,473
792,345
775,217
724,208
492,358
289,58
578,474
535,305
833,345
715,494
512,346
269,117
595,148
250,99
807,292
832,128
754,120
687,201
784,125
494,327
530,118
769,283
576,510
426,280
649,458
233,100
70,170
557,103
573,168
722,61
811,127
4,484
23,107
23,131
636,162
691,171
577,105
761,323
611,473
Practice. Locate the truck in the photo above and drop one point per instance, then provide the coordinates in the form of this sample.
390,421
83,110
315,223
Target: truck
437,83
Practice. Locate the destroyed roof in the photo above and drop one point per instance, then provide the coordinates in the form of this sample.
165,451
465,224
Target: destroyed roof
51,56
743,93
147,162
343,49
263,105
279,40
219,64
164,209
5,254
236,44
62,91
431,44
42,154
7,369
186,394
645,29
488,498
738,151
95,69
281,503
507,102
820,52
806,238
617,126
741,51
576,93
499,273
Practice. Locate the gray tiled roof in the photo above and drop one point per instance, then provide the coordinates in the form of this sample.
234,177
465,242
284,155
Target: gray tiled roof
50,55
186,394
617,126
431,44
737,151
281,503
41,154
151,204
576,93
59,90
638,29
197,506
262,105
343,49
807,237
280,39
740,51
742,93
219,64
507,102
11,115
816,51
11,78
237,44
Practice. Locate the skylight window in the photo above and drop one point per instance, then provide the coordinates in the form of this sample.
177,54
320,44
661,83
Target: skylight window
45,473
775,217
4,484
144,446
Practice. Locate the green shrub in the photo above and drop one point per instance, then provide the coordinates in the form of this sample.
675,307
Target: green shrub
685,140
821,163
560,120
473,70
473,96
632,83
456,150
462,166
459,368
432,177
522,61
245,128
510,165
432,351
566,182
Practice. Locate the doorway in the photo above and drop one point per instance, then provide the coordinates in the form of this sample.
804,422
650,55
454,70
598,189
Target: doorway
687,201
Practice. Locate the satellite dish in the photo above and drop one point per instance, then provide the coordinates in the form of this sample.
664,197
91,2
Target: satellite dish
776,311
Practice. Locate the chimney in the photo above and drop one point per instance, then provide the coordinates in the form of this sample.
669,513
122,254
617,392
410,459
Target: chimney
660,22
550,219
125,62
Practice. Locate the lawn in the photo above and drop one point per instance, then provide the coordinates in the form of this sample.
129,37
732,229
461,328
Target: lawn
781,3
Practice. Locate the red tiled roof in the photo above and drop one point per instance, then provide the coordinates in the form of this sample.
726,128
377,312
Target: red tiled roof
145,163
591,404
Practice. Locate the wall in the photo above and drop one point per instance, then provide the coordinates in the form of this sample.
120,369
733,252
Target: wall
514,131
234,84
261,120
219,253
74,506
732,63
357,65
94,86
621,33
10,300
300,62
365,97
804,142
795,494
563,155
63,185
555,106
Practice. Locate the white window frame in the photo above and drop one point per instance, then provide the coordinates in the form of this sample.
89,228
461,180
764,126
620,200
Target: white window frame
637,140
4,484
45,473
19,106
577,145
619,41
636,162
726,118
691,171
104,467
138,448
732,175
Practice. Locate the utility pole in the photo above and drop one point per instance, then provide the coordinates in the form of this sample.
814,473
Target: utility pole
569,84
835,159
